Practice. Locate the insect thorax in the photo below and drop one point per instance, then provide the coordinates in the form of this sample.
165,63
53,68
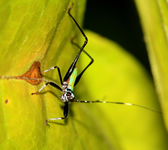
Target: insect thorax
68,94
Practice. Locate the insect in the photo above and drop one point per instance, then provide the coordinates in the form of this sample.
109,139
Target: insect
71,79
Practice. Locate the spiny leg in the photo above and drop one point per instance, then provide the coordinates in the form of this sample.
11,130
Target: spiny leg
60,118
59,72
92,60
120,103
71,68
51,83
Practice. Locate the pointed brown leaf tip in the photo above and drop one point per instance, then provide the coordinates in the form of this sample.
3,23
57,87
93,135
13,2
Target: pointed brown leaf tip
33,72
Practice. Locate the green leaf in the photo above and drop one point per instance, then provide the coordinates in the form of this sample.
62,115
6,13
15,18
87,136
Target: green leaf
35,31
117,77
32,31
153,15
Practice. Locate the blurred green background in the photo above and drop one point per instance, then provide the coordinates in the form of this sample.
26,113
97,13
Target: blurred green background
119,21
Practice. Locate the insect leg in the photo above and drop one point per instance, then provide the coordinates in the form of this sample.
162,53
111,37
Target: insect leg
59,72
71,68
51,83
65,114
92,60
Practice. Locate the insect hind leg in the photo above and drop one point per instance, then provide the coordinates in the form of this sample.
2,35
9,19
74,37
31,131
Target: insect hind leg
92,60
71,68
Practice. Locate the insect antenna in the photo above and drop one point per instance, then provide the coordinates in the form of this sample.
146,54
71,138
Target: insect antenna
118,103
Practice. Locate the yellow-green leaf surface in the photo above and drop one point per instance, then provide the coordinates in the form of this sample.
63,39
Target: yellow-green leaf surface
35,30
117,76
41,31
153,15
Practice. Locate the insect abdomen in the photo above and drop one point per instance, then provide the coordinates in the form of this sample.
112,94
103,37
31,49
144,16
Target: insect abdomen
72,79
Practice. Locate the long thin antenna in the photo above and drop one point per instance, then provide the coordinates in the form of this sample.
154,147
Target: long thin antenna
119,103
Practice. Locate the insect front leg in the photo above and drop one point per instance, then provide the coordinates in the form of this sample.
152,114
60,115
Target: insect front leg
65,113
51,83
59,72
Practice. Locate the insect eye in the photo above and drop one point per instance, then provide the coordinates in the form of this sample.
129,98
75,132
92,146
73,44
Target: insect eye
68,94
